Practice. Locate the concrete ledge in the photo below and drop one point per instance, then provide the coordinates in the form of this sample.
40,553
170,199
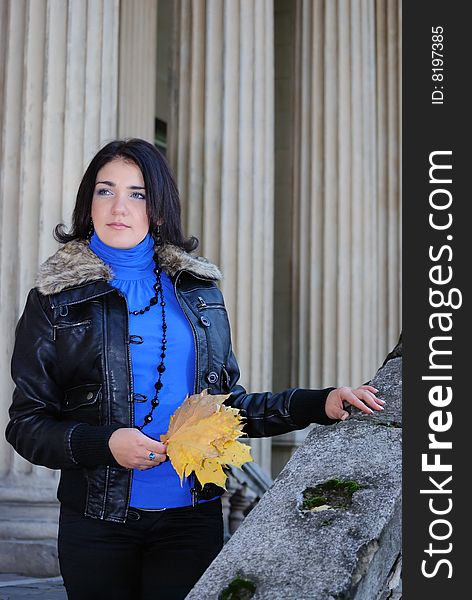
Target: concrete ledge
336,554
28,521
388,380
37,559
28,533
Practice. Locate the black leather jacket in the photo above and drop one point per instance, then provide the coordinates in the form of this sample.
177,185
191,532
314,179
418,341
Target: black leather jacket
72,369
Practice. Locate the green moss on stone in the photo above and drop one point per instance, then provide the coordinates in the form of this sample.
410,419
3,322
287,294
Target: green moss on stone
313,502
239,589
334,493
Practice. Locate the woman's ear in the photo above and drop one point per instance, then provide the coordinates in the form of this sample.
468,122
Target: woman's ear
158,222
153,227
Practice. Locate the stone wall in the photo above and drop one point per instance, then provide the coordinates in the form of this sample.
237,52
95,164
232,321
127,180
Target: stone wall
282,551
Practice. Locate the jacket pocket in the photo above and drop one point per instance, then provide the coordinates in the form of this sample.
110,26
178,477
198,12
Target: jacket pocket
82,403
69,328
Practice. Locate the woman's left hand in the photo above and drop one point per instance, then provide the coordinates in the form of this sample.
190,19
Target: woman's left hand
363,398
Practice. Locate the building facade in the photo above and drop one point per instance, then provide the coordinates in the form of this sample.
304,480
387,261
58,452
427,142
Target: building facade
282,122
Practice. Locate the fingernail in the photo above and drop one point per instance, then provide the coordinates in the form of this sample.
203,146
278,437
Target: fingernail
344,417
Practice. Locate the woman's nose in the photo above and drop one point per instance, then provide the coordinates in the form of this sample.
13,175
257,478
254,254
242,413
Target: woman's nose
119,205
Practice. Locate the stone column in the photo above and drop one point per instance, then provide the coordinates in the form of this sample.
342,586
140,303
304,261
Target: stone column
337,199
137,68
389,122
59,104
221,149
346,171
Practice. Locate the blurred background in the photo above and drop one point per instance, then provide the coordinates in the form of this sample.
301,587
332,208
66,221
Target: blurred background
281,120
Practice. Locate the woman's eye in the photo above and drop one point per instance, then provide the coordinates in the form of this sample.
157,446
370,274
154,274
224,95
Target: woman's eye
108,192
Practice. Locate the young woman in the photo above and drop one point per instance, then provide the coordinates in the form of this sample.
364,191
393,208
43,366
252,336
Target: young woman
122,324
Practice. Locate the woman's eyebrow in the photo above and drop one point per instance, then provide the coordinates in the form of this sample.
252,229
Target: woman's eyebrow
130,187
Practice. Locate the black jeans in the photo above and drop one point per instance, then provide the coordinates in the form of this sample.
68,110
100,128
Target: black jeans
153,555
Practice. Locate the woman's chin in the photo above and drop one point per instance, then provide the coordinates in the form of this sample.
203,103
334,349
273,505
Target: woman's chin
119,238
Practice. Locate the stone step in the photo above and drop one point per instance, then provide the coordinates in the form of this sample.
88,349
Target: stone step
36,558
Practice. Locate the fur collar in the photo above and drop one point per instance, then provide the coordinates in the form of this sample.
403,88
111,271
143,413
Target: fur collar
75,264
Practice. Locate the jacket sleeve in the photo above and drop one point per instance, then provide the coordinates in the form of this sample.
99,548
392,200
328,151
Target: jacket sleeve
269,413
35,429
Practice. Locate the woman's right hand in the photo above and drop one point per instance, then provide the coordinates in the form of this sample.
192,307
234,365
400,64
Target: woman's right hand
131,449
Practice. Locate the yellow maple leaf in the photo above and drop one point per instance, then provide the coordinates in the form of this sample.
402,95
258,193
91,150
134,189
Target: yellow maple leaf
202,438
236,453
211,472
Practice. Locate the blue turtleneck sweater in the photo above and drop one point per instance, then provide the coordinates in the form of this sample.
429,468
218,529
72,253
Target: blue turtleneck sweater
134,277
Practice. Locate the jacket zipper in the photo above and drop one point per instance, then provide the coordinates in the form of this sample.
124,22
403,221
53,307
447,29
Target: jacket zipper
82,299
105,343
210,350
197,375
55,327
202,305
131,389
193,490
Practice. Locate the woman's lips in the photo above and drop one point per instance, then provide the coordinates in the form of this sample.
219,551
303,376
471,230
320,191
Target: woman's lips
118,226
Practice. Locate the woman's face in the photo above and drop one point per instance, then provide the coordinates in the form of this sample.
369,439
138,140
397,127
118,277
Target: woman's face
119,205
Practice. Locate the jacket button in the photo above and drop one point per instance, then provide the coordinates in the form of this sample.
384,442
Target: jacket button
89,396
205,321
212,377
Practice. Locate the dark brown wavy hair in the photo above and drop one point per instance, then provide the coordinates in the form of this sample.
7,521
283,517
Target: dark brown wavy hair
162,196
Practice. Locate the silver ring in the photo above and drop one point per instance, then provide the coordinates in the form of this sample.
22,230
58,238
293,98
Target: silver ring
152,456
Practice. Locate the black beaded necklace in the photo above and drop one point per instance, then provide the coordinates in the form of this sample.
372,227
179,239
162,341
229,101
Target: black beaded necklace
158,297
